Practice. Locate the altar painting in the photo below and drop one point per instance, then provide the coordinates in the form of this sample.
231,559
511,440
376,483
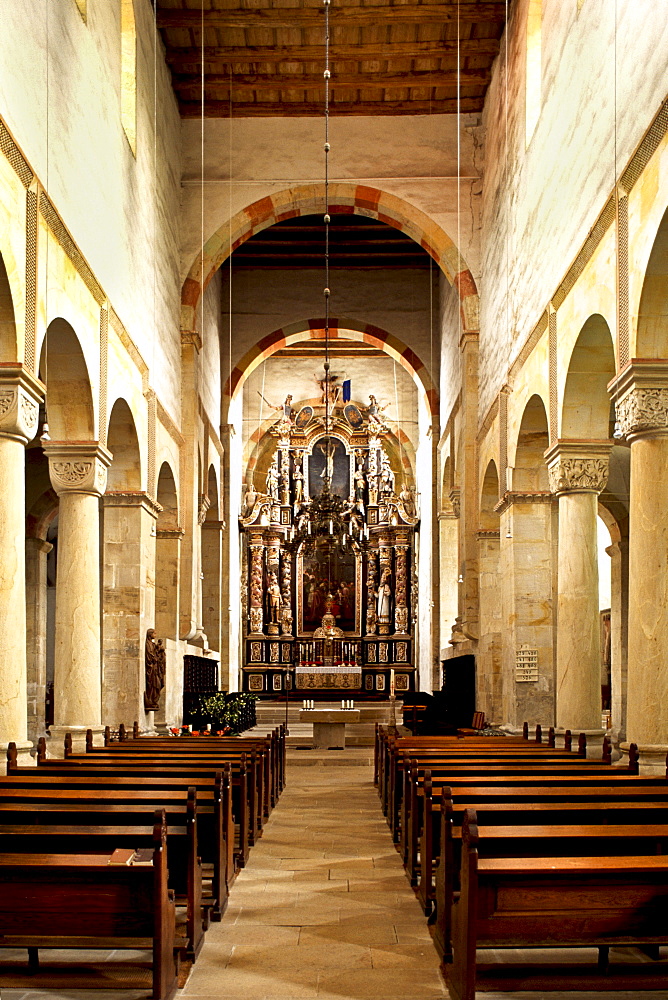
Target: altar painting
320,573
329,455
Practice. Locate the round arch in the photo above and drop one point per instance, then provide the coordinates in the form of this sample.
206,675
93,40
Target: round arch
529,467
125,473
69,396
351,199
9,347
339,329
652,329
586,405
489,497
213,513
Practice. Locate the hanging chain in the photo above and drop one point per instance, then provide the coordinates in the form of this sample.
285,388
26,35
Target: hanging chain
327,75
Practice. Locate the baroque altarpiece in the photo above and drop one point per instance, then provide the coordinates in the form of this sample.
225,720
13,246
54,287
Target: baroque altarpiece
329,604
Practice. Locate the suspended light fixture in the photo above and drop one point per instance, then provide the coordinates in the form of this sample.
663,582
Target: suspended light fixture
327,521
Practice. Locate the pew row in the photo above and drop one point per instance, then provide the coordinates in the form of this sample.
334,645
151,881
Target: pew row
69,901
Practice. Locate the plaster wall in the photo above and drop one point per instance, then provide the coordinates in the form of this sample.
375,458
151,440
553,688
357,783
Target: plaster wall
400,303
60,87
413,158
598,95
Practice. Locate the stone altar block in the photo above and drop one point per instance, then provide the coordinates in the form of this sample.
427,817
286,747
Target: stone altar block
329,726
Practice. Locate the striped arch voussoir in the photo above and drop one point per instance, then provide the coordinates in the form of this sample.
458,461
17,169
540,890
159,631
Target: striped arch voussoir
352,199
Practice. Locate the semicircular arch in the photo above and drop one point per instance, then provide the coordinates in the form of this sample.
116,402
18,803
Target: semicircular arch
345,198
339,329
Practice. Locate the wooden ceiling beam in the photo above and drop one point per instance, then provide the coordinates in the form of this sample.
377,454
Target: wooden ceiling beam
273,81
308,109
225,55
350,17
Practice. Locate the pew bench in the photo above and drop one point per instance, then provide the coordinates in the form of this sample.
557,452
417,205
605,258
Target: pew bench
82,902
555,903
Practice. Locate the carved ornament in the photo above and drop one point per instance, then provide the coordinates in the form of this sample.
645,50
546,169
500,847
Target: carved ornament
642,411
575,466
78,468
20,394
578,475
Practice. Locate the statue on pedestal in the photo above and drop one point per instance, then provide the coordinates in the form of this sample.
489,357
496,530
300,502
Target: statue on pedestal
273,479
155,666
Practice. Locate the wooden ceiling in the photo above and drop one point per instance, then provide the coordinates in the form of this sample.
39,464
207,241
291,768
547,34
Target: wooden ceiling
266,57
354,242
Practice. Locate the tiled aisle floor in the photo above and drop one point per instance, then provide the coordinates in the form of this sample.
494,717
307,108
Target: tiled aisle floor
323,911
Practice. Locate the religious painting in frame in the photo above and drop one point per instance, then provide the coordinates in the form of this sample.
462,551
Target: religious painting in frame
318,574
329,454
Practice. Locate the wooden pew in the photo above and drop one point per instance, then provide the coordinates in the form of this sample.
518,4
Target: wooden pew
555,902
30,804
246,776
166,773
70,901
424,820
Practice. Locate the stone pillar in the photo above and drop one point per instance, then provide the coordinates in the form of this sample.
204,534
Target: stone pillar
212,553
128,603
641,392
526,530
20,393
401,584
167,562
578,471
37,549
618,553
488,673
448,574
78,475
256,617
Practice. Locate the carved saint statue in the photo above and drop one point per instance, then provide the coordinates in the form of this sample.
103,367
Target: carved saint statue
273,479
386,474
384,597
250,496
274,598
298,480
155,669
285,409
375,412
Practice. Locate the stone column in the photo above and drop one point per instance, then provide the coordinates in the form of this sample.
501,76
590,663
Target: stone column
448,574
212,553
78,475
256,547
128,603
19,410
527,620
488,674
641,392
578,471
618,552
37,549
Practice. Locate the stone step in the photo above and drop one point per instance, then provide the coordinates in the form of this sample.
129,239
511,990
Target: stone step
359,734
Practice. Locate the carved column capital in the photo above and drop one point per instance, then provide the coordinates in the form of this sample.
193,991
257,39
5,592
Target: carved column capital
578,466
78,467
641,399
20,396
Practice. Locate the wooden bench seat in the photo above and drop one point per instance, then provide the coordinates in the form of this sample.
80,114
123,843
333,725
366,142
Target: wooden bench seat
69,901
95,806
425,819
555,902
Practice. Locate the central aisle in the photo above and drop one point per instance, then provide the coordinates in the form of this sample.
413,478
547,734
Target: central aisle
323,909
